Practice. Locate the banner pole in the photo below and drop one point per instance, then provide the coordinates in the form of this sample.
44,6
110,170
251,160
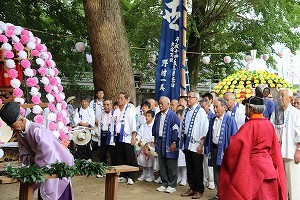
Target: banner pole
183,62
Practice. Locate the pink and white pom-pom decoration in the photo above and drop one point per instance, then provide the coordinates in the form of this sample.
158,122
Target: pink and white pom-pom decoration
28,48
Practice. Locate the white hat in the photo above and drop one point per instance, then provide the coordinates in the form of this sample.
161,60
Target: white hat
70,98
137,147
5,132
95,136
146,149
81,137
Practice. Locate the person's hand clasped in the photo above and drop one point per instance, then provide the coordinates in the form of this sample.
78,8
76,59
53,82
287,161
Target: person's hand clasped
297,157
132,141
173,147
200,149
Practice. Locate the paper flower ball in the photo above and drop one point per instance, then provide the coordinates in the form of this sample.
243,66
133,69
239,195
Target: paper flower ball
12,73
50,97
30,82
80,47
37,109
6,47
51,107
25,63
51,117
15,83
56,134
36,99
52,126
45,81
8,54
22,55
10,63
206,60
19,100
48,88
17,92
227,59
28,72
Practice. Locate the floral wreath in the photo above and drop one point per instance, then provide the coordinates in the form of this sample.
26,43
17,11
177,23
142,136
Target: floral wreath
21,43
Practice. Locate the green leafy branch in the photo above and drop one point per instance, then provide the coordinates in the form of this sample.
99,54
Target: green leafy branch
35,174
32,174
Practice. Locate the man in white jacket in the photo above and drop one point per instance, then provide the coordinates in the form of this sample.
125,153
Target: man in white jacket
84,116
193,129
289,136
124,123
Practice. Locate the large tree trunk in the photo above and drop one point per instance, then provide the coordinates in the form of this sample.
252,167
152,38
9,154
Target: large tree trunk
109,47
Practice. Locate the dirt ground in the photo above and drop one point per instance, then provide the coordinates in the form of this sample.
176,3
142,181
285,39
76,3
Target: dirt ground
92,188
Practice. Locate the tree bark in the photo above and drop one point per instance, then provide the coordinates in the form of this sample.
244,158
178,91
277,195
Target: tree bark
112,70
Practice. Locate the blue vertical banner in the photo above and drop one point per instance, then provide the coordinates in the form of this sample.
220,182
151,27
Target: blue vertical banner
168,72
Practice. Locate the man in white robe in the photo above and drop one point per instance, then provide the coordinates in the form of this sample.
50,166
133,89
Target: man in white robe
289,136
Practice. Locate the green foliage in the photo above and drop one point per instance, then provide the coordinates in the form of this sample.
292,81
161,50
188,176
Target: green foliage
86,168
143,24
213,26
60,168
31,174
239,26
35,174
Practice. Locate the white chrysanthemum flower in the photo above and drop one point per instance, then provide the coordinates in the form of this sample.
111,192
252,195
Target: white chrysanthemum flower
51,117
6,47
10,63
37,109
44,55
28,72
15,83
22,55
51,72
55,89
40,62
15,38
18,30
58,107
31,45
60,125
64,113
34,91
56,134
62,95
58,80
50,97
19,100
45,80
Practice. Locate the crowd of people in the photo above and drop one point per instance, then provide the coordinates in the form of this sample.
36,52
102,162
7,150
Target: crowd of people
204,141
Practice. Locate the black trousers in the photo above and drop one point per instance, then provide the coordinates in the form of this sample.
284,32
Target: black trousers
216,167
84,151
194,168
104,149
125,157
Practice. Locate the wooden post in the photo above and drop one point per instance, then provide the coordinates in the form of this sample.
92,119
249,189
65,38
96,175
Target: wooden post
183,61
26,191
111,186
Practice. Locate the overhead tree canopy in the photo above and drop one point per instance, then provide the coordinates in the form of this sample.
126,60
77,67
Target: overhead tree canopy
214,26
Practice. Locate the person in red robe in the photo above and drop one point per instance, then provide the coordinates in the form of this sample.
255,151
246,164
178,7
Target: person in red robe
252,166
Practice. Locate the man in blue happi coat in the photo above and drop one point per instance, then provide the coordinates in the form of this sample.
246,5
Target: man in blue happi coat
221,128
165,131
